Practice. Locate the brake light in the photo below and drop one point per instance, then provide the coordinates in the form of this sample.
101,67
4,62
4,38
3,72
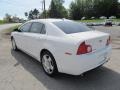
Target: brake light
83,48
108,41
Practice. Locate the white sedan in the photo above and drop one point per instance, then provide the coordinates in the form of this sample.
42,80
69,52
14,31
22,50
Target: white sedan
62,45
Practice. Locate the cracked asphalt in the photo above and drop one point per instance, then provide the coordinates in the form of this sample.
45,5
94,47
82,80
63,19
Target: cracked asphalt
18,71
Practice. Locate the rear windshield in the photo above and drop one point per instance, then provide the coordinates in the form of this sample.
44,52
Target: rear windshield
70,27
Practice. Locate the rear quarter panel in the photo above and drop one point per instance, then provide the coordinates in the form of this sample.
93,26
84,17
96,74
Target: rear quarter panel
58,46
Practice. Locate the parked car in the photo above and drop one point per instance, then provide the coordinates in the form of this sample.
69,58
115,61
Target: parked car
62,45
89,24
108,22
118,23
112,17
103,17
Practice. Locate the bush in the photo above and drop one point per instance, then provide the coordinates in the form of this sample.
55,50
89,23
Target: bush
2,21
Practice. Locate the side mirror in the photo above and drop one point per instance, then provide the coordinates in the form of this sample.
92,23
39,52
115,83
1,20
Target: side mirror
17,30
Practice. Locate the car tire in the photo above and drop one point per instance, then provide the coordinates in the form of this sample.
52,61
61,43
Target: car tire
14,47
48,64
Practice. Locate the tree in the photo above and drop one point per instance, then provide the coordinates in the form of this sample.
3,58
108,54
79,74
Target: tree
42,15
32,14
35,13
7,18
57,10
96,8
76,10
114,8
106,7
53,12
118,13
26,14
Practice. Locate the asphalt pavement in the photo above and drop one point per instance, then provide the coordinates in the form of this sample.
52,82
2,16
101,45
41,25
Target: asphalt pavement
114,31
18,71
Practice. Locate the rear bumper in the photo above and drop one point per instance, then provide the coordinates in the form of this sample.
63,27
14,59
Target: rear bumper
78,64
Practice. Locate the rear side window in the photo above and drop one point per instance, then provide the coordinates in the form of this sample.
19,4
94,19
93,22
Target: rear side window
43,31
36,27
25,27
70,27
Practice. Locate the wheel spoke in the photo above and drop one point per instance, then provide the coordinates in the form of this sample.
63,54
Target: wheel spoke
47,64
51,66
50,63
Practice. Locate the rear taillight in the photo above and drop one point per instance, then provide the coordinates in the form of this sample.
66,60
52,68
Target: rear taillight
84,48
108,41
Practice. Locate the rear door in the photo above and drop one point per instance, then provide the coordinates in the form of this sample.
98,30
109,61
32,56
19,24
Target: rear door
36,39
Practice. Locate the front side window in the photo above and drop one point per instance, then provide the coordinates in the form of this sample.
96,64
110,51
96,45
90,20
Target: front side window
36,27
70,27
25,27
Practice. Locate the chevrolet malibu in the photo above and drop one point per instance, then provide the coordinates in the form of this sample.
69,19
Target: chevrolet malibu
62,45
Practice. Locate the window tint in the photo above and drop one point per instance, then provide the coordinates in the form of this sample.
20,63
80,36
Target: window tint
69,27
25,27
36,27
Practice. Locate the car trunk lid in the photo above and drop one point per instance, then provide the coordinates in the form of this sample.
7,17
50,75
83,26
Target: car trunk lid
96,39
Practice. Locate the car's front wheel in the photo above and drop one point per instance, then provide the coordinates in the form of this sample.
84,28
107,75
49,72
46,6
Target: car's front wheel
49,64
14,47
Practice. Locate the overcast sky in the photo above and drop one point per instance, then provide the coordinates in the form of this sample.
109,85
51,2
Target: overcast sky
18,7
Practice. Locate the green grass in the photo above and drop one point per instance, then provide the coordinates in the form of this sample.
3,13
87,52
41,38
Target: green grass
2,22
117,20
9,30
97,20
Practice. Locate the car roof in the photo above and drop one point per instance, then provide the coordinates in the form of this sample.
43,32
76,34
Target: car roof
46,20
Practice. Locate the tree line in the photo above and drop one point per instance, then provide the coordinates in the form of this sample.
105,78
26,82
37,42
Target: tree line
12,19
78,9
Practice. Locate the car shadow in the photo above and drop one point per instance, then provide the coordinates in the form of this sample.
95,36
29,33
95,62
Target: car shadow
98,79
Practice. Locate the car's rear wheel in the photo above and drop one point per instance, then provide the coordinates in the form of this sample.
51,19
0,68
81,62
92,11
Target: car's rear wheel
49,64
14,47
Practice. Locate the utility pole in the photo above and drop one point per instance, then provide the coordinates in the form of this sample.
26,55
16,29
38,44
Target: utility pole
44,8
42,5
